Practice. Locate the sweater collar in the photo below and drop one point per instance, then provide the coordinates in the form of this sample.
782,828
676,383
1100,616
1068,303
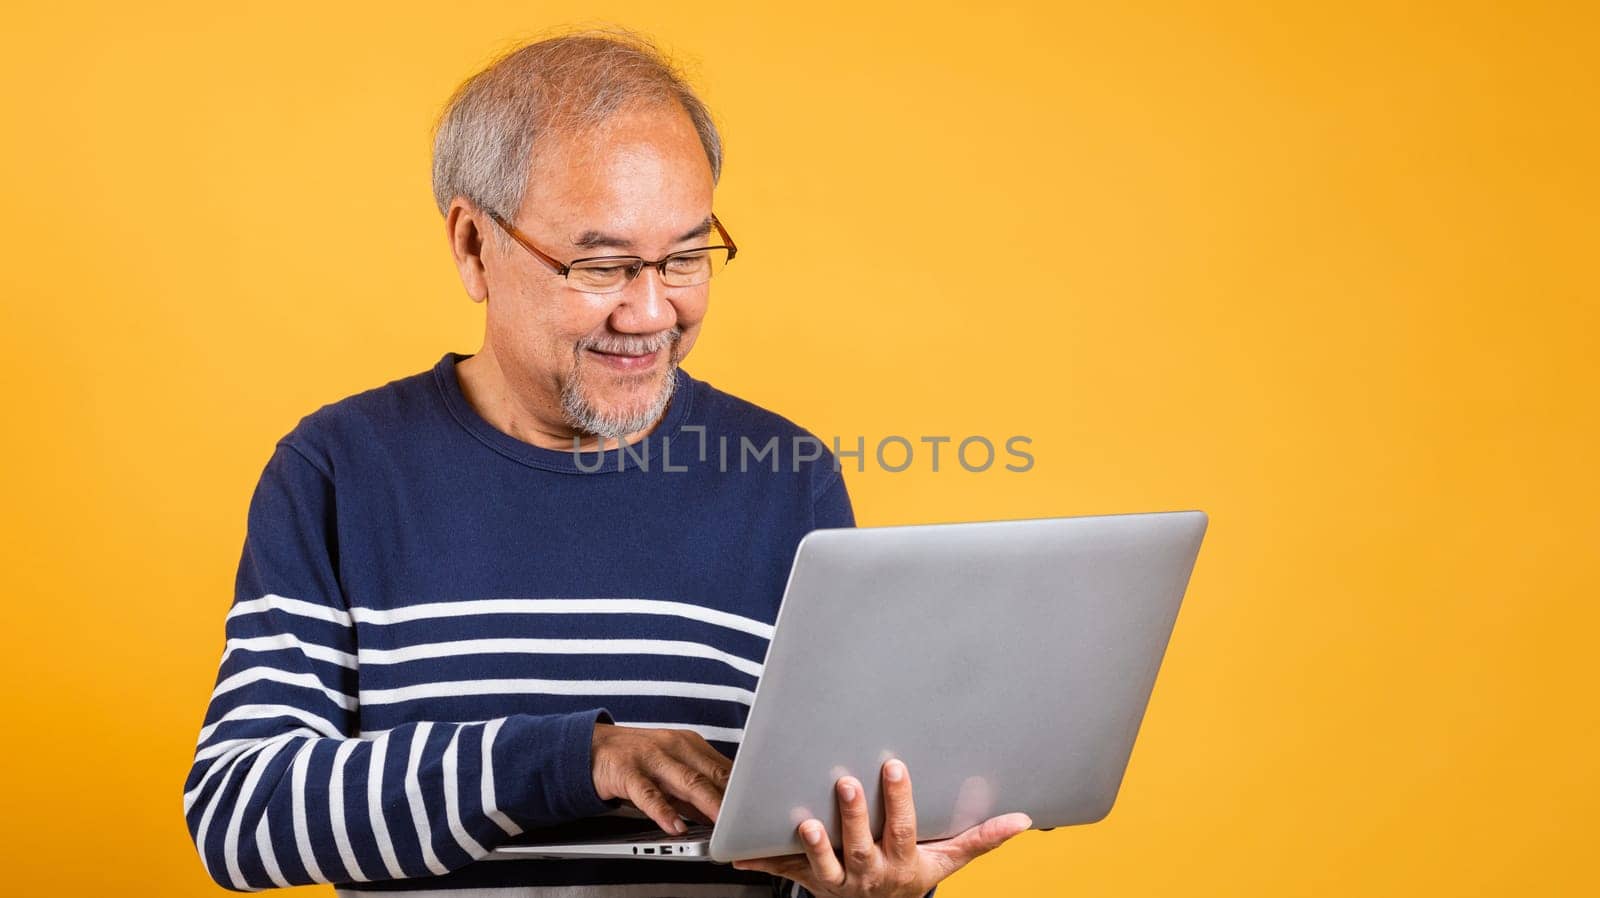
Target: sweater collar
637,455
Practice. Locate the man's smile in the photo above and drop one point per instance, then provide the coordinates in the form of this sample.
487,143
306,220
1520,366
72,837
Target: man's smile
626,361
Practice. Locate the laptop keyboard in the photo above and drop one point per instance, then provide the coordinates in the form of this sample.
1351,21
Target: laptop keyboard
696,832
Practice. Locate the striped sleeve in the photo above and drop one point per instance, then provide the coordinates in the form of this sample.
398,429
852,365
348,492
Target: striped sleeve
283,792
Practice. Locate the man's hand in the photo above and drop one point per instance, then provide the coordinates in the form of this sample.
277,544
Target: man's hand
897,867
663,773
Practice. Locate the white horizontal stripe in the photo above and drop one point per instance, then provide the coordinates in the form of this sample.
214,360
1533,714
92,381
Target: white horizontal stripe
298,607
277,642
456,688
475,607
257,674
558,647
217,748
708,733
321,725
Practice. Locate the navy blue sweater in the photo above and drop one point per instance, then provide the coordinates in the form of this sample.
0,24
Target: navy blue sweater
431,615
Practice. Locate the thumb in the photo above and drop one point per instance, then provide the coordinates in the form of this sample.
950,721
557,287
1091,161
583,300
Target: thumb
960,850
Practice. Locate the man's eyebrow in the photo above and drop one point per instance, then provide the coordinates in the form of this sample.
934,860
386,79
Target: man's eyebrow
593,239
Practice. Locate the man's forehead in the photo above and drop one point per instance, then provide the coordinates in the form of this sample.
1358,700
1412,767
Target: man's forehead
629,237
641,178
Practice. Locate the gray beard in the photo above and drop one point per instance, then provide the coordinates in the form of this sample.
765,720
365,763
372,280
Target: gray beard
585,418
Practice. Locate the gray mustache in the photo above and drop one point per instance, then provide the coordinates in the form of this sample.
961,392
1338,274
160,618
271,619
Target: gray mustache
634,345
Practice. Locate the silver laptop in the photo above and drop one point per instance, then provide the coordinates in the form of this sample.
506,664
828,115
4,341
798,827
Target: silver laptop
1007,663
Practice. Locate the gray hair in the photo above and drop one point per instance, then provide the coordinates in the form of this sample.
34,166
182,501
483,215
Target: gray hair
485,140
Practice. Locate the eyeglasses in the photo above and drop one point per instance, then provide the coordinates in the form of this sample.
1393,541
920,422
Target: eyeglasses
609,274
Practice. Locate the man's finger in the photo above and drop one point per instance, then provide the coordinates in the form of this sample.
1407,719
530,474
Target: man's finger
899,814
960,850
825,866
685,809
694,750
647,797
691,785
861,856
711,765
789,866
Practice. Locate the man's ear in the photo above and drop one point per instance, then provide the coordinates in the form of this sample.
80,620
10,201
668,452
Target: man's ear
464,223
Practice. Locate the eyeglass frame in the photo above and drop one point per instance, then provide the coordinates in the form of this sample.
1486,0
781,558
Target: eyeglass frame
660,265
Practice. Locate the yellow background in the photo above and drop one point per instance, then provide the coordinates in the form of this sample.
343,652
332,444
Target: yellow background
1327,271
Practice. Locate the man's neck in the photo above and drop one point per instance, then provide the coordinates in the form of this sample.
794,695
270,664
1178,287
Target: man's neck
492,395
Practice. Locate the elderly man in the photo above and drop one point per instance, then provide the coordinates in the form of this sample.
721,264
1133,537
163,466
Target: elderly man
451,625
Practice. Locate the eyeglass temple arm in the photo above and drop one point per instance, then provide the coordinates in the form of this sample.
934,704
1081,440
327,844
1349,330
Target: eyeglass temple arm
733,248
523,242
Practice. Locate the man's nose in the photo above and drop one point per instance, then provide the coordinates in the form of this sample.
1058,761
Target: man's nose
644,307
